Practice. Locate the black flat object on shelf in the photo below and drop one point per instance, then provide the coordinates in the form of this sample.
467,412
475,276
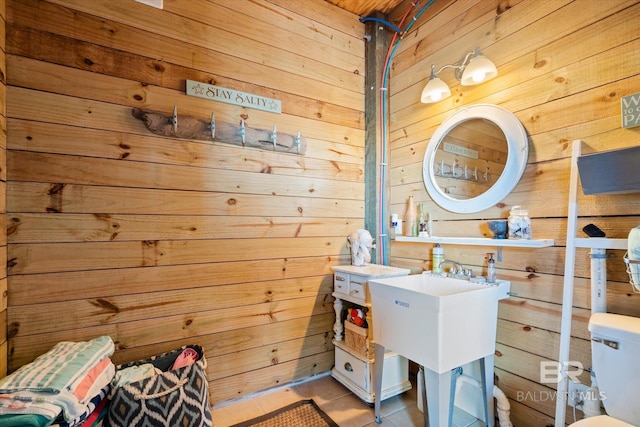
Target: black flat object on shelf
593,231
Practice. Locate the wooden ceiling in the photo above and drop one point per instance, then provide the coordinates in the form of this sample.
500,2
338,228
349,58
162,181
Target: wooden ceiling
365,8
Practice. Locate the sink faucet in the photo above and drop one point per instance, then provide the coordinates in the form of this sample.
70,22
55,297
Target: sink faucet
458,271
448,261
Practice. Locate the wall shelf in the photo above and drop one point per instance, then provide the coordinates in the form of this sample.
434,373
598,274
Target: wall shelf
480,241
600,243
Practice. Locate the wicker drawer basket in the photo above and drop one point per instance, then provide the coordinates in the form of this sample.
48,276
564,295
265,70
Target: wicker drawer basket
355,338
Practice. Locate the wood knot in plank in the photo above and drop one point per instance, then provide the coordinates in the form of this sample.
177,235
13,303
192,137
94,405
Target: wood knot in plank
12,329
268,296
13,228
105,305
540,64
56,189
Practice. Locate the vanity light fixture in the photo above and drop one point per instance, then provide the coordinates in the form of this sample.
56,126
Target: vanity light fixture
473,69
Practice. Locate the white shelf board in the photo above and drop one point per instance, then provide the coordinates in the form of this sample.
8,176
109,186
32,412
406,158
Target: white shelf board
600,243
480,241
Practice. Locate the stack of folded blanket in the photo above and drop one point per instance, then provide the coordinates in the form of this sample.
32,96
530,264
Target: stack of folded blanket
66,386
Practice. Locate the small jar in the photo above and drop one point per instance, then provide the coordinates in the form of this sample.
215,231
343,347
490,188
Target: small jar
519,223
394,227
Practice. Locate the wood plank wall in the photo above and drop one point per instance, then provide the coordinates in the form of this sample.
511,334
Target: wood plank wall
563,67
160,242
3,194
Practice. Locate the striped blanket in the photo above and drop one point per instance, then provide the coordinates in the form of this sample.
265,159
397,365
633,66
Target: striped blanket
60,367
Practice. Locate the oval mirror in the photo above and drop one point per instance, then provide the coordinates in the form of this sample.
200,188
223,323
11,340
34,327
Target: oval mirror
475,158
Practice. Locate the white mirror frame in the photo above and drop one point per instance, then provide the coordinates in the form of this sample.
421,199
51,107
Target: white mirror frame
518,152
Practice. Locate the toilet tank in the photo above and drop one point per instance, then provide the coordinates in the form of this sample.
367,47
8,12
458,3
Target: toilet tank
615,350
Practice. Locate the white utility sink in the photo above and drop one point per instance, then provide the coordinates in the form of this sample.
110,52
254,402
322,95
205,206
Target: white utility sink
438,322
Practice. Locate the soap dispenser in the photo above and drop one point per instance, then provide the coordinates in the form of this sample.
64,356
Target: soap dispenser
491,270
437,256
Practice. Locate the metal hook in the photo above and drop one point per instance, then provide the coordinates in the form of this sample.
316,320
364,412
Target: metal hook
486,174
272,137
475,173
296,141
174,119
243,131
455,166
213,126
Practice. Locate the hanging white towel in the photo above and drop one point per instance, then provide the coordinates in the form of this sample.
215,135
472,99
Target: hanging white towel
633,254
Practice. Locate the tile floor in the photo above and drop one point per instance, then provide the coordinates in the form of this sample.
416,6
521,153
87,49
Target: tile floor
337,401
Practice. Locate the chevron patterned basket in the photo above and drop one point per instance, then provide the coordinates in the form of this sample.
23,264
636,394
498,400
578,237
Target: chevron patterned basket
178,397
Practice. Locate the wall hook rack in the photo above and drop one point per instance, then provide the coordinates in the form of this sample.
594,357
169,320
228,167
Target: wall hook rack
208,130
455,171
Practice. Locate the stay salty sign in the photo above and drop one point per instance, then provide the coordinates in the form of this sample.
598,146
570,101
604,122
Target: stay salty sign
235,97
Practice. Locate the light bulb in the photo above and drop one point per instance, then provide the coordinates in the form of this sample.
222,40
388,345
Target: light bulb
478,70
478,77
434,91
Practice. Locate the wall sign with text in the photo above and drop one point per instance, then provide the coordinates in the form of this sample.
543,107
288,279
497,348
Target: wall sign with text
235,97
630,106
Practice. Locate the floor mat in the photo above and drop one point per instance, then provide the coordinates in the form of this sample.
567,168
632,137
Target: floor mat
304,413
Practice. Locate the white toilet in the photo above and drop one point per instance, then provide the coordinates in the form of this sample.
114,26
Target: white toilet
615,350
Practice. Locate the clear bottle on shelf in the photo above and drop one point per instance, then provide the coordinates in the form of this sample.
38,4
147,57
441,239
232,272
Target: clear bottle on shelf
411,222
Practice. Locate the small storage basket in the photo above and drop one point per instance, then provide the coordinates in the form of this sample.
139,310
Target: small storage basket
632,258
355,337
633,270
175,397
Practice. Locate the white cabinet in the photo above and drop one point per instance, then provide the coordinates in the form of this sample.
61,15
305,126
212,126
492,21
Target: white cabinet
354,361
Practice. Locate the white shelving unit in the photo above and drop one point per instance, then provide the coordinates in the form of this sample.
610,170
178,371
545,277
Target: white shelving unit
354,367
598,246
